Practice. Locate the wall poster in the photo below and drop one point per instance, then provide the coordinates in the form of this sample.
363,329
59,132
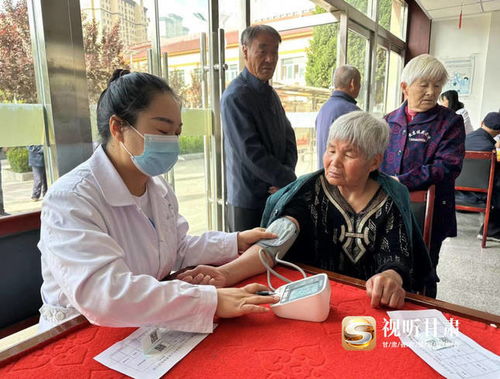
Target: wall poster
460,72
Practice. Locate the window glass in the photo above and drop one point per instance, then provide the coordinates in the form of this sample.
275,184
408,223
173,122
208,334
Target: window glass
357,55
231,72
22,126
392,16
360,5
302,80
265,10
380,81
181,24
115,35
393,81
293,70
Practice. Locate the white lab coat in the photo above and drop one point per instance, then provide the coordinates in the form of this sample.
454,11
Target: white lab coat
102,257
467,123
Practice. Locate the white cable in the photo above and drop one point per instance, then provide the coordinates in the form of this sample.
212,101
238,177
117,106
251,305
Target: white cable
291,265
270,270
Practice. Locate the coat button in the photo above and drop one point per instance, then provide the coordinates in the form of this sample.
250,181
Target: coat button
399,152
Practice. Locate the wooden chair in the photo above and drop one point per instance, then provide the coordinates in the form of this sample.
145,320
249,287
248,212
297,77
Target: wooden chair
20,272
477,175
422,206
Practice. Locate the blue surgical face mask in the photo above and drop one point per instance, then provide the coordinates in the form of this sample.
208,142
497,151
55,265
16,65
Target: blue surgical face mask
159,156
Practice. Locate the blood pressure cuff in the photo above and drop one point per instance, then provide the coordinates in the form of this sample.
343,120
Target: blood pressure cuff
287,233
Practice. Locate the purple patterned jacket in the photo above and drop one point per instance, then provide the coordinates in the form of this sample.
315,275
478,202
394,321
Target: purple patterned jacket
428,150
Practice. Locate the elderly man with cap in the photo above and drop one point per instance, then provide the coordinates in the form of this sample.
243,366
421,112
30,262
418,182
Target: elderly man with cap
483,139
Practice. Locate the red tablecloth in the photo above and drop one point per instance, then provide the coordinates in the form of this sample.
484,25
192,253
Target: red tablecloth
255,346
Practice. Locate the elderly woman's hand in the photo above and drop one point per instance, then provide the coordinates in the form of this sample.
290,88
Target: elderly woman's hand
249,237
386,288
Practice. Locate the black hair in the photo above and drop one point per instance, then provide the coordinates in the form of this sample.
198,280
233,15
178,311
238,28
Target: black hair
453,102
251,32
128,93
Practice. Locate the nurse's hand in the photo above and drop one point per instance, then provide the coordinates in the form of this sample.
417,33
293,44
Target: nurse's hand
202,274
386,288
234,302
248,237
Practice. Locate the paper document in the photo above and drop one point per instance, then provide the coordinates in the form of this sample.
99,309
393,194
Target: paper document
135,357
440,344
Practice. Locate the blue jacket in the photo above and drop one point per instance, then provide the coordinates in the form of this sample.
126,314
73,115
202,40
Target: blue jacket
35,156
259,142
481,140
337,105
421,273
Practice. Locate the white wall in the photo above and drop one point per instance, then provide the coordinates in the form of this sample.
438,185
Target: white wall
491,89
480,38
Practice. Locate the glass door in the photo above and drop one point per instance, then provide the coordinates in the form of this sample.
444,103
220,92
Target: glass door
181,34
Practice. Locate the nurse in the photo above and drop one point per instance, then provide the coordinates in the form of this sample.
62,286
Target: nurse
111,228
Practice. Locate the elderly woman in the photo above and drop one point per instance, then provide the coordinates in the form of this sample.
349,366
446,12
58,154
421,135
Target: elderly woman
353,219
426,144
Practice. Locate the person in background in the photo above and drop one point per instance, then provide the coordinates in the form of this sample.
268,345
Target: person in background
111,228
347,84
426,145
259,142
483,139
37,163
450,100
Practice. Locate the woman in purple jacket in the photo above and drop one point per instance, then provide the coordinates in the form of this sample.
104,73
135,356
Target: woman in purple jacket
426,145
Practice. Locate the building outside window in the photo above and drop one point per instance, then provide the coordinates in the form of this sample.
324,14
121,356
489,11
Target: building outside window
293,70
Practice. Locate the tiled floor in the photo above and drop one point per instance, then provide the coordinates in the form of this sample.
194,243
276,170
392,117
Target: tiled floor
470,275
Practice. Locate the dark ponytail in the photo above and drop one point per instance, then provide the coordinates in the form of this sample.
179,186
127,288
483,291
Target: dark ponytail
128,93
453,102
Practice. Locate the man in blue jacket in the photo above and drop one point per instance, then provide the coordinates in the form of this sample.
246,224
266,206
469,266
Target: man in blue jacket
347,83
259,142
37,163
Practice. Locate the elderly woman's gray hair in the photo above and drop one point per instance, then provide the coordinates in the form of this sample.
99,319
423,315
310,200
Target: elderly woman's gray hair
424,67
368,133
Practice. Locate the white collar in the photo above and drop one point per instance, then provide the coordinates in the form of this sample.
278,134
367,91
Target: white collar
111,184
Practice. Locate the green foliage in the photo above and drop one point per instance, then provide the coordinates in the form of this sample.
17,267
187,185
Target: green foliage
191,144
384,13
361,5
322,51
103,54
18,159
17,74
321,56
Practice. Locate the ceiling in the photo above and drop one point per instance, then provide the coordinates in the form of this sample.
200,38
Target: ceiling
439,9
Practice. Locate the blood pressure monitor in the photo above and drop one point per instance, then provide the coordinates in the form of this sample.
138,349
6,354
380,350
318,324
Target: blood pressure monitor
306,299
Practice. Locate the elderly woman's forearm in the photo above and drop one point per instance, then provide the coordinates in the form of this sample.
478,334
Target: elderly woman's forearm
246,265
